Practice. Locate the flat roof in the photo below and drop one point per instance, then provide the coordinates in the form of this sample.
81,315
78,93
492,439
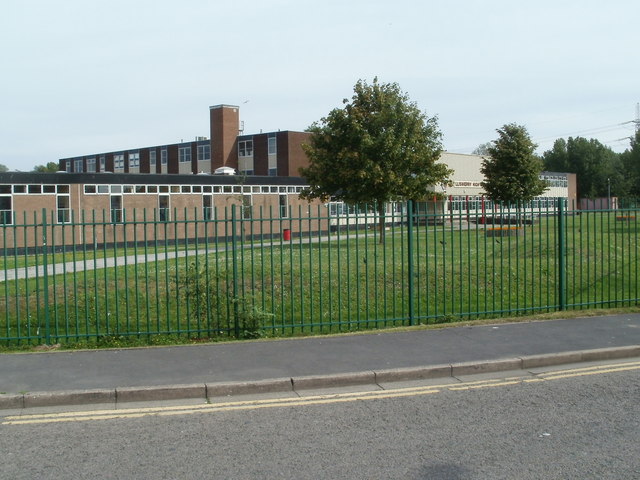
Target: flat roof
145,179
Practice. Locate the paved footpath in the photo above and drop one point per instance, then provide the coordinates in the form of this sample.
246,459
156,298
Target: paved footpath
193,371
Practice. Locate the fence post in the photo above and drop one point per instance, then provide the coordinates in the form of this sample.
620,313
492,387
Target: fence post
234,260
45,268
410,261
562,270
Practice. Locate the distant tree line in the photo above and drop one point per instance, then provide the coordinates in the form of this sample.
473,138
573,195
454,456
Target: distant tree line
599,169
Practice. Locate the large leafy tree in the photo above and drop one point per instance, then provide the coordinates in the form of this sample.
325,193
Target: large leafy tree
378,148
511,168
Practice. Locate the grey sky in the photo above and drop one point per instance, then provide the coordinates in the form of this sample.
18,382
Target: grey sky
86,76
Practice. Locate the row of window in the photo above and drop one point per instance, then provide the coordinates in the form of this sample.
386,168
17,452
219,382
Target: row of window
476,203
273,172
245,147
93,165
117,212
556,180
133,158
144,189
346,209
35,189
63,208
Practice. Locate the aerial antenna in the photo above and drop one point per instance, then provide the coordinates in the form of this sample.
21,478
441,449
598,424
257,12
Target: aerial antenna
637,120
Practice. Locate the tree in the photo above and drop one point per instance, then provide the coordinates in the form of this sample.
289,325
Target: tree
595,165
482,149
630,160
3,168
49,167
378,148
512,170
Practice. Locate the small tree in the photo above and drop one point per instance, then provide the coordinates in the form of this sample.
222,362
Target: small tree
380,147
49,167
511,169
482,149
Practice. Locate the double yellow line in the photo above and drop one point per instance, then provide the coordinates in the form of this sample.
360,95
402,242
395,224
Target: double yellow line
83,416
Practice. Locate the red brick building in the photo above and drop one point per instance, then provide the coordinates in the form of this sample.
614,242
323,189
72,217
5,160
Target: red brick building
264,154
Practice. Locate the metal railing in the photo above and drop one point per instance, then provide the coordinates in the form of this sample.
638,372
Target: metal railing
308,273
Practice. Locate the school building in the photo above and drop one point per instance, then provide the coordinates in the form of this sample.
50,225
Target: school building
274,154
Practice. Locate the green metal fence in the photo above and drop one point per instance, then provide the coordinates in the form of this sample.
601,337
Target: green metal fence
231,274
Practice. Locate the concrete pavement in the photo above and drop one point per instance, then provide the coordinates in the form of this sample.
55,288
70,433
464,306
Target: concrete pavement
266,366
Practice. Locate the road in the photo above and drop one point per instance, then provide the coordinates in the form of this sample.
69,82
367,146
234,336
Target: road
564,424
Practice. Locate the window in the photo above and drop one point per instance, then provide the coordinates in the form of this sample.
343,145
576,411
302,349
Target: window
245,148
91,164
204,152
247,172
118,162
184,154
272,149
207,207
134,160
34,188
164,156
116,208
152,158
6,211
336,208
246,206
163,208
63,204
103,163
67,166
273,172
89,189
284,206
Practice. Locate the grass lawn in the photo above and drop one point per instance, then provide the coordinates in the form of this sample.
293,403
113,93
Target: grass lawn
311,286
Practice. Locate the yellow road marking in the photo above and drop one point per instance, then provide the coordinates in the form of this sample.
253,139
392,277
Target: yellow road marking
224,407
311,400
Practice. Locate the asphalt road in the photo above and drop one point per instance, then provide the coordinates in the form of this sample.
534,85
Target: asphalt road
560,426
247,361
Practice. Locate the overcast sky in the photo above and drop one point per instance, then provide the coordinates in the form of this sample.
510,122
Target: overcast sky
90,76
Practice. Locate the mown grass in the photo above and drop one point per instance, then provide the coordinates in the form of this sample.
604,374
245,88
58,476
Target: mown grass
349,283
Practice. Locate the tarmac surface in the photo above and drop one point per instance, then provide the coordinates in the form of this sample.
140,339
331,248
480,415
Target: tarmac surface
267,366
